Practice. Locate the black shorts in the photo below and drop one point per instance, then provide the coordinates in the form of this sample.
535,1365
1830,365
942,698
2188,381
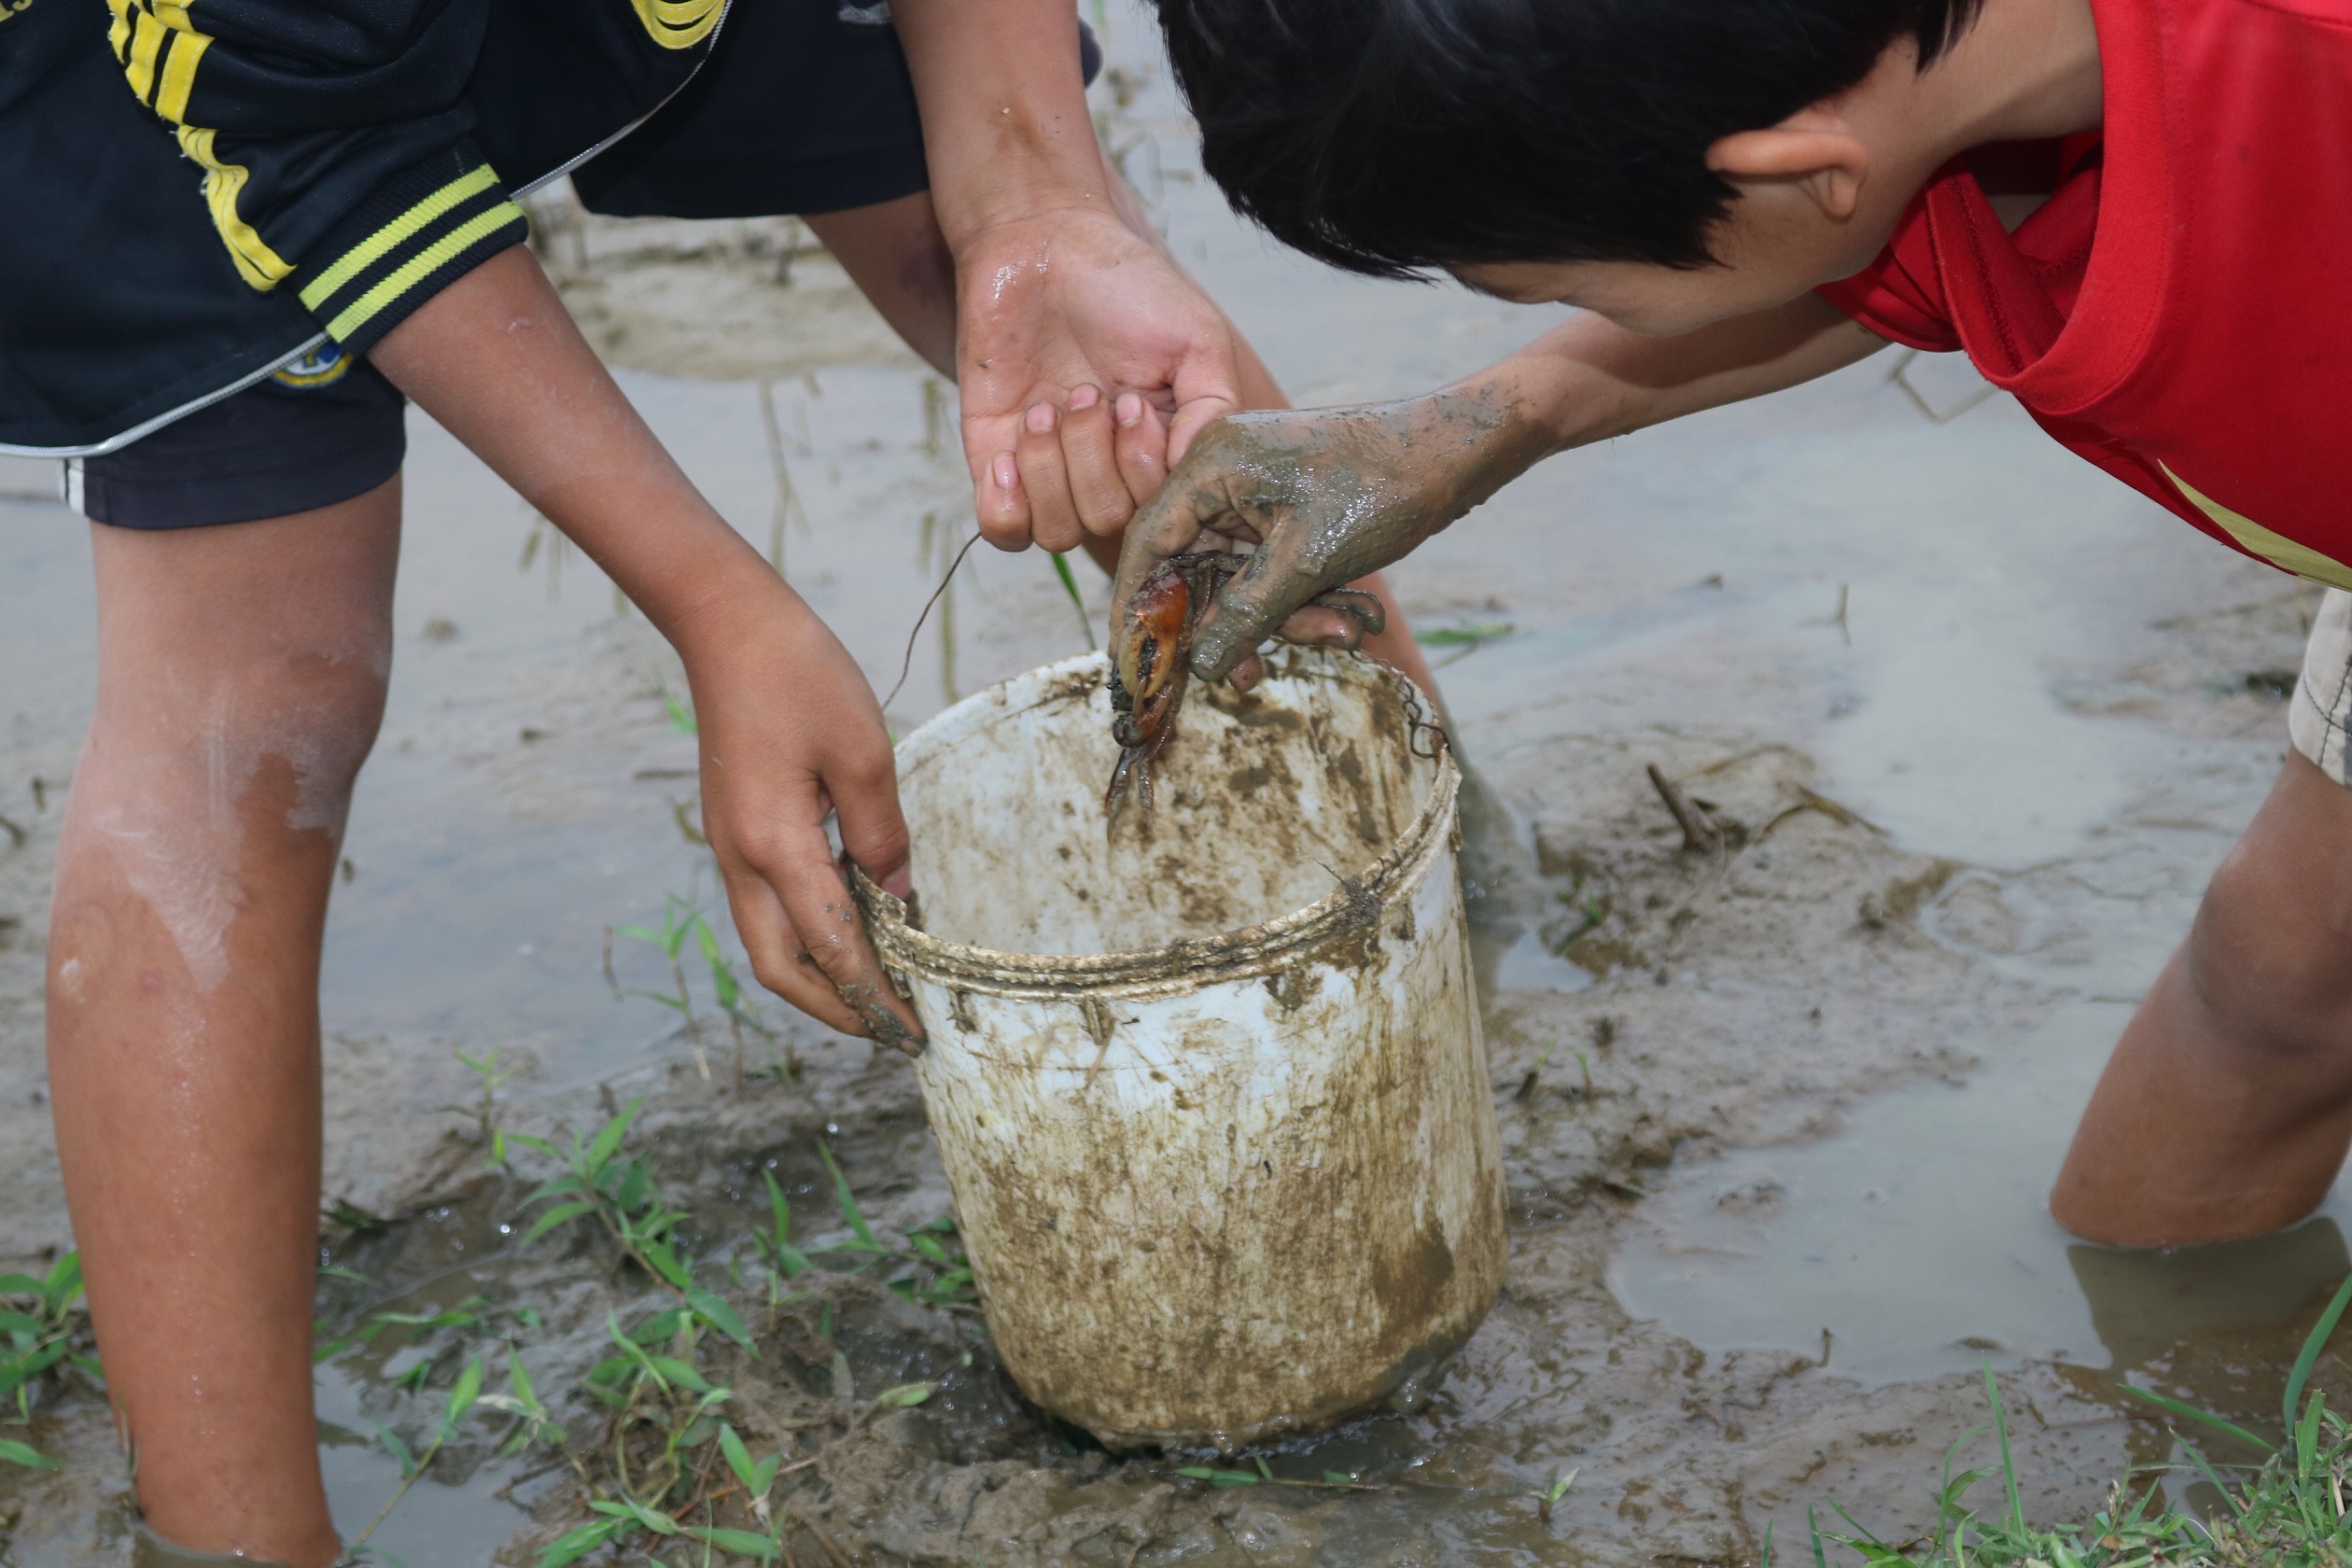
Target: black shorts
805,106
322,431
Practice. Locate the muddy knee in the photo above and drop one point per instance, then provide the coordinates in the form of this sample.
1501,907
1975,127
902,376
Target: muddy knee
184,781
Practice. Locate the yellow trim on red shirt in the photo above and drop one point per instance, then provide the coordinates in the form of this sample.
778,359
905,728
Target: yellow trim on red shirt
2277,549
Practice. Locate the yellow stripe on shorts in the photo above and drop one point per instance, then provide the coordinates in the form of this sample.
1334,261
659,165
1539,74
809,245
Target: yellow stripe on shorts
420,266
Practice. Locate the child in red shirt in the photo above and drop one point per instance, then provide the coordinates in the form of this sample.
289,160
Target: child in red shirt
2134,214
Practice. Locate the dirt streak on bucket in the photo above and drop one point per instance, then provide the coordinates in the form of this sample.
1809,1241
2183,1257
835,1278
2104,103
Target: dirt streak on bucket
1209,1087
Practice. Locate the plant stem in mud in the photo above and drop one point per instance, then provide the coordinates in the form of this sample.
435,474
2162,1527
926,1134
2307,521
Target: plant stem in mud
462,1398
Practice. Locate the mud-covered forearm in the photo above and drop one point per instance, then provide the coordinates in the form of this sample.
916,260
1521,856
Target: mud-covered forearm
1589,379
1331,495
1586,381
1328,495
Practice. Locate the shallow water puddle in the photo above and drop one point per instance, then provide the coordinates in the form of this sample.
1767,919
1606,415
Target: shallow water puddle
1918,1240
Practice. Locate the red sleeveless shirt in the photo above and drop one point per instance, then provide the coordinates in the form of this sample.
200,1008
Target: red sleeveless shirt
2179,311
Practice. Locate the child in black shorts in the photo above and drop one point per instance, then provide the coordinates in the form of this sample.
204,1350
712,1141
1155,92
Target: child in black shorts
221,284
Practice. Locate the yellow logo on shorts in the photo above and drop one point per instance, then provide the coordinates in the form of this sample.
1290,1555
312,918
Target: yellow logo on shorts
322,368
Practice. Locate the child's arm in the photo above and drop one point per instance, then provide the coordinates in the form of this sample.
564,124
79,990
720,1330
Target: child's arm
1055,290
1331,495
789,730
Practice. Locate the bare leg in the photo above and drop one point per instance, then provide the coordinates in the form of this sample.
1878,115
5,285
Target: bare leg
2227,1108
241,679
896,255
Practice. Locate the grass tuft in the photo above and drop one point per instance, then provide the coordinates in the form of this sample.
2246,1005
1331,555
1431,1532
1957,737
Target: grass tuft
2287,1513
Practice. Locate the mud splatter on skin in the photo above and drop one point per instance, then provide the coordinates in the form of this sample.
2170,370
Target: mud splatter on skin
1327,495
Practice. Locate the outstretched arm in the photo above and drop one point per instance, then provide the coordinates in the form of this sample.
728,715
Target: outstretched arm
790,731
1330,495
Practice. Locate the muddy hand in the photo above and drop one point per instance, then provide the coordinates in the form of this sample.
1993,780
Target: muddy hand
1328,495
790,734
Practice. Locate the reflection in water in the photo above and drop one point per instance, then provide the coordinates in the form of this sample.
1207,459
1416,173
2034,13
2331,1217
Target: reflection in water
1513,908
2144,1304
1919,1238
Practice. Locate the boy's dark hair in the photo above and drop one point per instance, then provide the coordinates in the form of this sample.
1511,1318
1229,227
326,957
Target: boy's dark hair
1389,136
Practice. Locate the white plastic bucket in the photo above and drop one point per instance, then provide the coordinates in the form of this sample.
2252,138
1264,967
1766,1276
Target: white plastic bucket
1208,1084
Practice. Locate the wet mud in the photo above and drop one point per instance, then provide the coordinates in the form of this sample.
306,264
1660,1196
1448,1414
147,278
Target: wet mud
745,300
1970,725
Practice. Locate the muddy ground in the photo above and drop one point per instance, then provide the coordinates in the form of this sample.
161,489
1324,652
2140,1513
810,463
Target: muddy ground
1973,724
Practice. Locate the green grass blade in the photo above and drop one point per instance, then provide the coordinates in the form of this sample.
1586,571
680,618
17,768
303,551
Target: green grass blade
1069,586
632,1349
31,1458
665,1325
608,1141
2317,1342
555,1188
519,1385
1868,1535
789,1258
903,1397
2008,1464
64,1285
678,1373
780,1210
2164,1402
721,1316
573,1545
398,1449
462,1397
740,1542
2218,1485
1216,1477
849,1200
664,1262
2307,1437
555,1216
740,1459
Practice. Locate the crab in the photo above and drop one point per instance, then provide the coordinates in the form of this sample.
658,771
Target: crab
1150,653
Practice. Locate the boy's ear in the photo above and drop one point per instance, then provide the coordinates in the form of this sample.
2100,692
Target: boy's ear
1819,153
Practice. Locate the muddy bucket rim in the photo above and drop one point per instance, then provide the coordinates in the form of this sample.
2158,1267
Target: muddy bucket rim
1247,952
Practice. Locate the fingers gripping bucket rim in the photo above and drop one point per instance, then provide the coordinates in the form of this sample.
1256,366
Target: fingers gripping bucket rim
1243,1182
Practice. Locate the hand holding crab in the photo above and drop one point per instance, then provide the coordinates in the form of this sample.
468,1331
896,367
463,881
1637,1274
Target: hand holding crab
1151,655
1327,495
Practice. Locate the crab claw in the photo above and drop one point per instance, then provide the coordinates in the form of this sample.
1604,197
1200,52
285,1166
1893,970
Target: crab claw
1151,649
1147,664
1147,674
